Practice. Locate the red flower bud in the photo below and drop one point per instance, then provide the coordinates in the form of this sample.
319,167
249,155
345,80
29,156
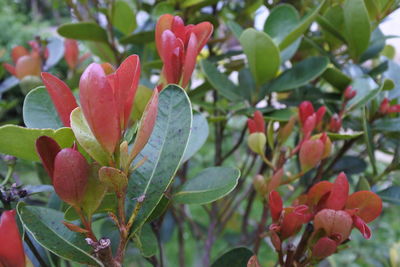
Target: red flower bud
309,126
62,97
394,109
320,115
311,152
29,65
349,93
70,176
385,106
306,109
71,53
47,149
324,248
337,224
11,251
257,124
335,124
275,205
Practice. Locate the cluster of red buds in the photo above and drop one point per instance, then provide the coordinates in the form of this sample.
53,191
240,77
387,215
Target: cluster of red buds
178,46
386,108
333,212
27,63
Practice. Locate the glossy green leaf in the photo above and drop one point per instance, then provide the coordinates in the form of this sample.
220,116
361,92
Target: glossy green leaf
262,54
95,192
336,78
161,9
138,38
344,136
357,26
108,204
301,27
160,209
220,81
163,152
366,89
363,184
86,138
387,125
368,138
235,28
300,74
281,21
237,257
123,18
198,135
391,195
85,31
330,26
146,241
20,141
350,165
142,97
39,111
47,229
280,115
209,185
56,52
376,45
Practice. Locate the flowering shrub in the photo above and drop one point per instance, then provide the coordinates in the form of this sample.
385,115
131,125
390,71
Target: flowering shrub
191,138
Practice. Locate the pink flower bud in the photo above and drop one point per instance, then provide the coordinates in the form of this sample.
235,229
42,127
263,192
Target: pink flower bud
11,249
71,53
306,109
324,248
335,123
311,152
349,93
385,106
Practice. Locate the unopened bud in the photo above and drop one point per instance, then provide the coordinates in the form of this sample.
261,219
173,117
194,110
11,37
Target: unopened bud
349,93
324,248
260,184
335,123
311,153
286,130
257,142
306,109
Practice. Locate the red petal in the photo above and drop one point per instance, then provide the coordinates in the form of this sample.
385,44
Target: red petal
306,109
362,227
316,192
190,60
99,107
324,248
71,53
367,204
126,80
163,23
70,175
146,125
18,52
275,205
203,33
339,193
179,29
62,97
47,149
11,249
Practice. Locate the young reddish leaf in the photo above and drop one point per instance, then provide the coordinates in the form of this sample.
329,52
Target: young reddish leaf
317,191
163,23
275,205
306,109
11,249
70,176
113,178
339,193
336,223
17,52
275,180
47,149
203,33
99,107
291,223
320,114
190,60
362,227
29,65
71,53
311,152
172,51
324,248
309,125
124,82
62,97
146,125
10,68
368,205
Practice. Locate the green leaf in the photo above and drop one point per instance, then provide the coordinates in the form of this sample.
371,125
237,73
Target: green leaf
95,192
262,54
235,28
142,97
198,135
368,138
103,51
108,204
163,152
46,227
301,27
366,90
85,31
8,83
336,78
357,26
138,38
86,138
20,141
387,125
160,209
209,185
39,111
220,81
344,136
146,241
350,165
280,115
376,45
237,257
391,195
281,21
300,74
161,9
123,18
56,52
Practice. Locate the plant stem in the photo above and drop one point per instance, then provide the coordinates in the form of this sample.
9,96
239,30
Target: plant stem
32,247
261,228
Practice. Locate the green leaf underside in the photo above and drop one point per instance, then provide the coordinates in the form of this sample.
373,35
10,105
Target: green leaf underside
391,195
46,227
20,141
211,184
237,257
163,152
39,111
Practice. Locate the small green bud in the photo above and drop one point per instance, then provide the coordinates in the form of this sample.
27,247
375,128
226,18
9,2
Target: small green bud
257,142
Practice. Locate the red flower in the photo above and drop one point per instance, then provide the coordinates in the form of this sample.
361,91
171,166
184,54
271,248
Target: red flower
256,124
178,46
11,251
67,169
